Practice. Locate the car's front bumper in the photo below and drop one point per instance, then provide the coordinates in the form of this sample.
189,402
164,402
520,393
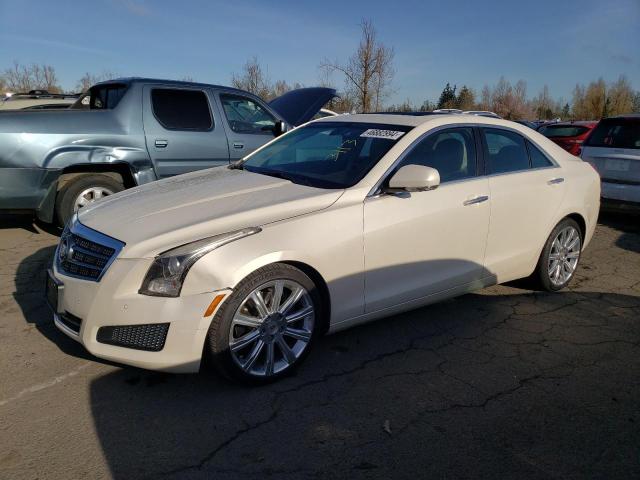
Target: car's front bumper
115,301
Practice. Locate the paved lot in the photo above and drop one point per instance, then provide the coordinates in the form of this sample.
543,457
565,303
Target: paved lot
502,383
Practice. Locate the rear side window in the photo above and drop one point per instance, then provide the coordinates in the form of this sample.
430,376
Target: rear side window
538,159
452,152
616,133
506,151
177,109
560,131
101,97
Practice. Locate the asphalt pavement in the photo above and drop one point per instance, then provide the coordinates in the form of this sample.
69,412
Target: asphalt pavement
503,383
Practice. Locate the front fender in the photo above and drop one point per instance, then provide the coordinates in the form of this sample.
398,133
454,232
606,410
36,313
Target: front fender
329,241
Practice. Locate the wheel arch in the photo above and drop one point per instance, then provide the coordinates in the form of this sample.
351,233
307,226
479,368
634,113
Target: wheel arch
323,289
579,219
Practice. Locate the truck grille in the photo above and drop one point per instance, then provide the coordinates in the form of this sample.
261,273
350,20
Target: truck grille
85,253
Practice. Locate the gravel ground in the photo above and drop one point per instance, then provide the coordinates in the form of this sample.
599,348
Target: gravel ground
505,382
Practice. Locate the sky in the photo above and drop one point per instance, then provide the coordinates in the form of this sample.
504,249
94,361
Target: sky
558,43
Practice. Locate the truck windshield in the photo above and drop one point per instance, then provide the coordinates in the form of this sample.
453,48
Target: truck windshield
326,154
101,97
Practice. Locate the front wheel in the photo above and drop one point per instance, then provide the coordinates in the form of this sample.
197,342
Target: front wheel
267,326
559,258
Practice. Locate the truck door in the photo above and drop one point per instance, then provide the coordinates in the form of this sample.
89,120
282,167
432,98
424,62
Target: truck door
183,129
249,123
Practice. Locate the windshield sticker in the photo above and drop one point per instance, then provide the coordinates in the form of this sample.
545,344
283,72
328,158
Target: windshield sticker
387,134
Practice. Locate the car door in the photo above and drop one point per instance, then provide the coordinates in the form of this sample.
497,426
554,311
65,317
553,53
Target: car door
526,189
421,243
248,122
183,129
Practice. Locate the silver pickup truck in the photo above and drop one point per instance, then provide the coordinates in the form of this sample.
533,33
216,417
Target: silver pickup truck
127,132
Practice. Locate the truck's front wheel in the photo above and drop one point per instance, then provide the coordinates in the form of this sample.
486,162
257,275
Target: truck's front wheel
81,191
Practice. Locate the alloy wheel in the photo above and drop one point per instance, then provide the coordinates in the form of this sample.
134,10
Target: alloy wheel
90,195
272,328
564,255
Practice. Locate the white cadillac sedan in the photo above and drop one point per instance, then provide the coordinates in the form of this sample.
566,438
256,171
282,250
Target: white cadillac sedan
338,222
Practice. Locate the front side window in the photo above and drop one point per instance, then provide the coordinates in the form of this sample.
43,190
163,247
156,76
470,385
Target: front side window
178,109
246,115
538,159
326,154
505,151
452,152
616,133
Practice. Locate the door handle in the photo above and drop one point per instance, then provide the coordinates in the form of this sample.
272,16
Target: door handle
161,143
238,145
555,181
475,200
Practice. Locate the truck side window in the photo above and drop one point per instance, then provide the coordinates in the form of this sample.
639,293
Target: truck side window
246,115
178,109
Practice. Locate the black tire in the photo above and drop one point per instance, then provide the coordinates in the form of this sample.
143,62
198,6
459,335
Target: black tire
217,350
65,201
541,274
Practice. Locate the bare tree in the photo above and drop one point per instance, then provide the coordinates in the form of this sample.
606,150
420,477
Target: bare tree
252,79
620,97
579,109
368,72
88,80
596,99
22,78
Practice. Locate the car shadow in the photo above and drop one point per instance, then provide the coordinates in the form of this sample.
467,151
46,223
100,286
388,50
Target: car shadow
393,397
30,279
628,223
28,223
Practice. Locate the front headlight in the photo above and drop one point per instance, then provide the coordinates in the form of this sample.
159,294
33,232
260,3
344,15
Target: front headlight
169,269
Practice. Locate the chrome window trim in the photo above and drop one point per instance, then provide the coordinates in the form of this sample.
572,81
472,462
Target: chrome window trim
77,228
479,155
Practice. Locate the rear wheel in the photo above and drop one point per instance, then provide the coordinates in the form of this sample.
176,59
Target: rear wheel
267,326
560,256
81,191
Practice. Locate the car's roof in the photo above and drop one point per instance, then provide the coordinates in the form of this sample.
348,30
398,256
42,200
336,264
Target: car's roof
415,120
160,81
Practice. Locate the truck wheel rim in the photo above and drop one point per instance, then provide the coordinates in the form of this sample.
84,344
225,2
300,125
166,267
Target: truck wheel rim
90,195
564,255
272,328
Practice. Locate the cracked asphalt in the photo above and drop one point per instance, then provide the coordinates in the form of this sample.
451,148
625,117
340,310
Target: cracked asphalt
503,383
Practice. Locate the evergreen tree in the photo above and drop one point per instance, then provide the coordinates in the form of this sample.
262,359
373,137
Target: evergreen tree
448,97
466,99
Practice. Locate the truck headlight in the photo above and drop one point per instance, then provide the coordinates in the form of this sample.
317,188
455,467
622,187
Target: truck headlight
169,269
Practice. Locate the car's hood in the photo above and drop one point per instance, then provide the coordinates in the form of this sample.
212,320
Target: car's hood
300,105
160,215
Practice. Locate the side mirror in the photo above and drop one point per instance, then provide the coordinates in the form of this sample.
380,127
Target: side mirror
279,128
414,178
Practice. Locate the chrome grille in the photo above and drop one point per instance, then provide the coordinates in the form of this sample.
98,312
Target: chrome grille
85,253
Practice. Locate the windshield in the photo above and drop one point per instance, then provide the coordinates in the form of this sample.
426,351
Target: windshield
326,154
558,131
616,133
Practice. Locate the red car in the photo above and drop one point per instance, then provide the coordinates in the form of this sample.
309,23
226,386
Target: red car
569,135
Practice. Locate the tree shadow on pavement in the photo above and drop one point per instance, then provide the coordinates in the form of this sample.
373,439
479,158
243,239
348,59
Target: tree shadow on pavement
493,384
